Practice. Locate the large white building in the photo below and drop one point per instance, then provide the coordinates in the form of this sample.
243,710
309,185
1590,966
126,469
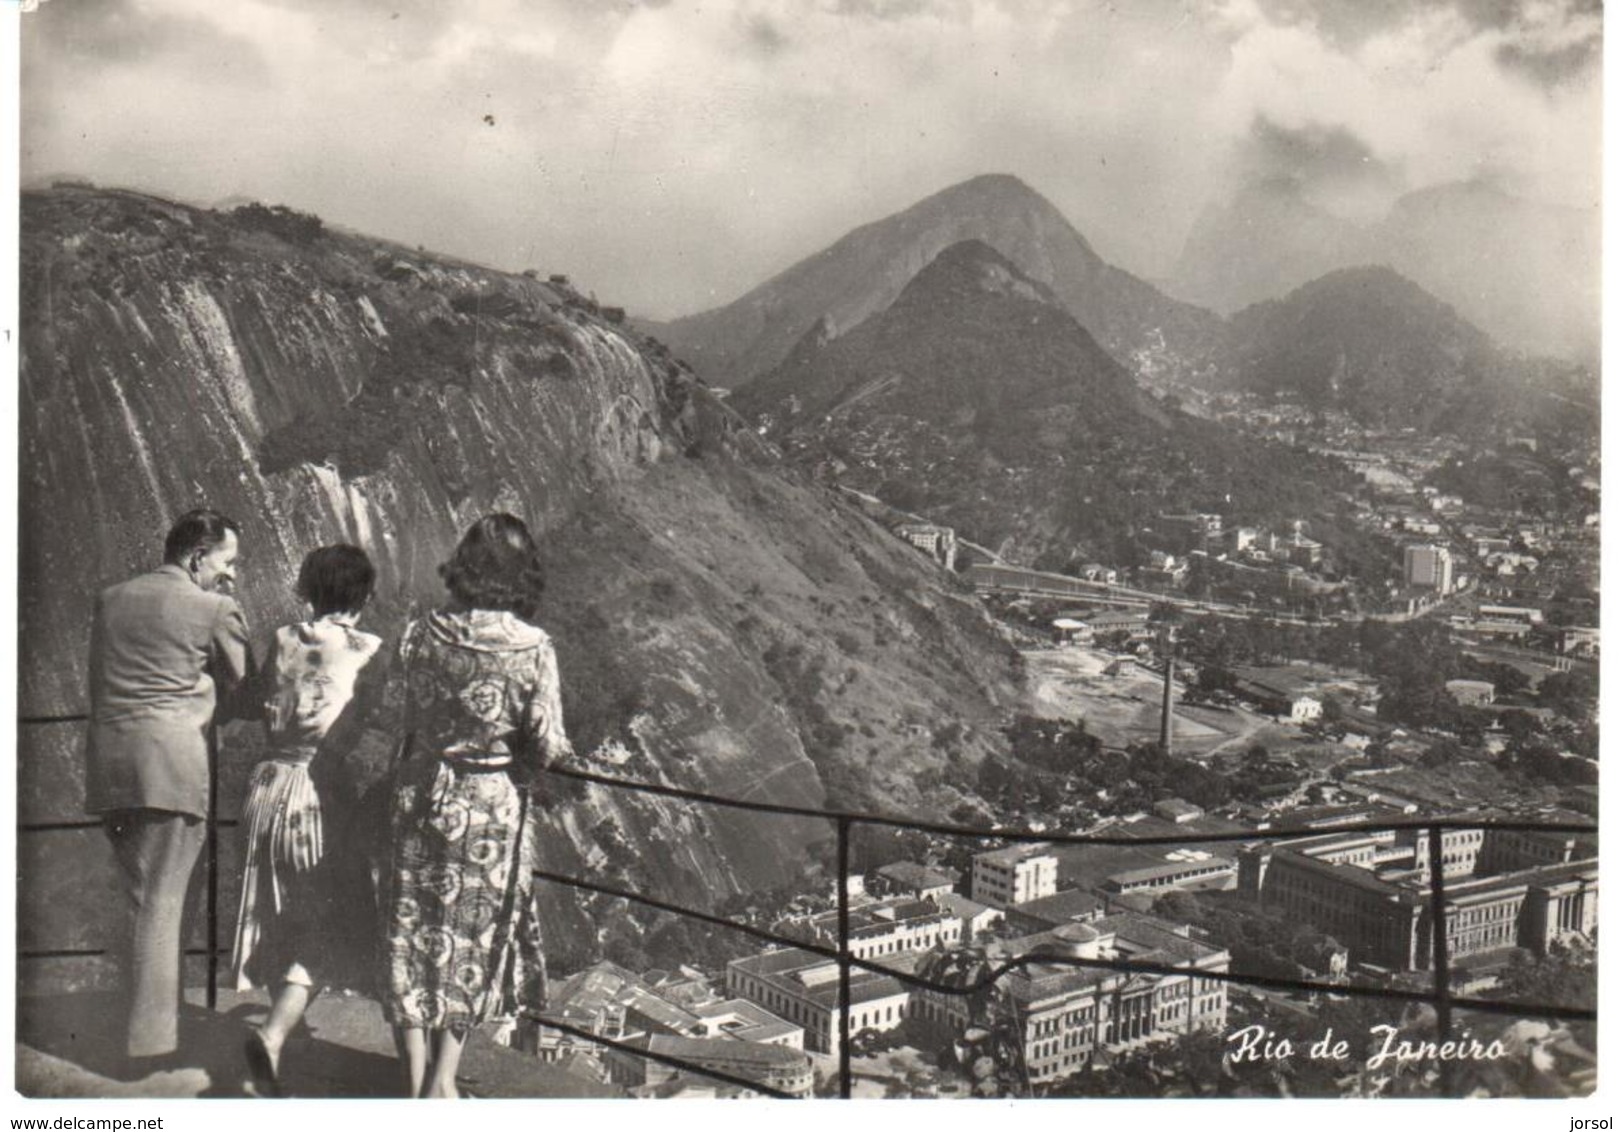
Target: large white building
1069,1016
804,988
891,927
1428,566
1371,890
1015,875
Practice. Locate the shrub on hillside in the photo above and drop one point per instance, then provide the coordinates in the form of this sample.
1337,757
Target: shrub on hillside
280,221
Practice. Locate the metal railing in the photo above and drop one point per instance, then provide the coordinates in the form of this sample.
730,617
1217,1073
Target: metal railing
1441,997
211,857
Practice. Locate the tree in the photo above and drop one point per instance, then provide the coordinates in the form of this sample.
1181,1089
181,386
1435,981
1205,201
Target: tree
1574,695
1213,680
1443,753
1563,976
1334,713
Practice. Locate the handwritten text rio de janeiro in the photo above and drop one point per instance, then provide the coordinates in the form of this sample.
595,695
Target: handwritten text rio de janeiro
1254,1043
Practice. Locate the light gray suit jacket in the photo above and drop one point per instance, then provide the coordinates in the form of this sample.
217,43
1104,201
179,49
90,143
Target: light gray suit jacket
158,647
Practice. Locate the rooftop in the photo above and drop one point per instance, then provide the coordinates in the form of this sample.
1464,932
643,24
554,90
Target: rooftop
962,906
1062,907
914,875
812,977
1014,854
1172,869
723,1049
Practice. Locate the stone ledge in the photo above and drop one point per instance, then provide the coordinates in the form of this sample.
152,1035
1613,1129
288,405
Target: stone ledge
65,1048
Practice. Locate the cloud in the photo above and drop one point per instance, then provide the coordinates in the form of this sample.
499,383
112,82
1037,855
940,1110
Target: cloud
670,156
1555,46
1426,91
881,9
764,36
1311,153
1347,25
1550,68
132,33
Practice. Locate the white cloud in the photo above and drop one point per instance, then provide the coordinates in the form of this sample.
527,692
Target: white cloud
671,156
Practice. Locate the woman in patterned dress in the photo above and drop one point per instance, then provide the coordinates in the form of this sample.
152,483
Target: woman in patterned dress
303,918
482,713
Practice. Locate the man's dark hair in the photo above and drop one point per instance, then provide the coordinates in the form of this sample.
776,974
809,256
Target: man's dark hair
201,529
496,566
336,579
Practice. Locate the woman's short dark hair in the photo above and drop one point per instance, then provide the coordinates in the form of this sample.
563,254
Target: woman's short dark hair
496,566
336,579
201,529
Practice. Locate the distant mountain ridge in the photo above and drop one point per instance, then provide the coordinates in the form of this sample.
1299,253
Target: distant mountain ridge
1378,346
1261,244
978,400
1527,272
970,330
1367,340
863,273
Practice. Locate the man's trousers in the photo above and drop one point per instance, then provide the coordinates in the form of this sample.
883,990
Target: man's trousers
156,852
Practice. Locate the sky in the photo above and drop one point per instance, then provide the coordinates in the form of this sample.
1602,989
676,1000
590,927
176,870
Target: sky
669,155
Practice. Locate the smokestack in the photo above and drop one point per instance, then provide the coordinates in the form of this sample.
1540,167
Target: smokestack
1166,694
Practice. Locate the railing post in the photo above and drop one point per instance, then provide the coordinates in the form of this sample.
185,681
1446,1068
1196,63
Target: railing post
212,991
844,897
1442,1001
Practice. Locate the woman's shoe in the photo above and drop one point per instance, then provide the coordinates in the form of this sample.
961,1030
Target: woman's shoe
261,1069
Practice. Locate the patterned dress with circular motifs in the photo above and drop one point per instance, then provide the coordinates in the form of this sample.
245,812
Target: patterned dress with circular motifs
482,712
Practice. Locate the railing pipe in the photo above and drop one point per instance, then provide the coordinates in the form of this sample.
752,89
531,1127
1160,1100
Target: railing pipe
999,833
843,829
211,993
1441,988
1440,997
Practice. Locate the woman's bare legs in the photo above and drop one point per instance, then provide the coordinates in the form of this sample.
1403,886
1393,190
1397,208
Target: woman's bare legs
286,1010
412,1043
447,1054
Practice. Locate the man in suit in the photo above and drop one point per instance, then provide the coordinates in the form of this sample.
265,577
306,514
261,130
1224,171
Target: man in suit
163,646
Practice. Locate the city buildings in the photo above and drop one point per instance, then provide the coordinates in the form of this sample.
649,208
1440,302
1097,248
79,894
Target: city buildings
907,878
777,1067
1428,566
804,988
653,1011
1068,1016
1014,875
940,543
1470,693
1372,891
890,927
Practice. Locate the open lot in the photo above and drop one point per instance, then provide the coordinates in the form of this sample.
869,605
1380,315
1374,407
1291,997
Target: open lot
1069,682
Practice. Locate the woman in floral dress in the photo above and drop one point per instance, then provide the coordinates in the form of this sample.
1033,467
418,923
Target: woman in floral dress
482,713
306,914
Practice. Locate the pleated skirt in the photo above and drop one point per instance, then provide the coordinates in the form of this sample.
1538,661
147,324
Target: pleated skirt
306,912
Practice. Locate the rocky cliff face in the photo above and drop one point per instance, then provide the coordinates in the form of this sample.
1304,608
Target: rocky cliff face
720,624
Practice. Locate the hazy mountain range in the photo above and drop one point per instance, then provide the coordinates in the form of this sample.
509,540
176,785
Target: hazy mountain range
1376,345
977,399
863,272
1527,272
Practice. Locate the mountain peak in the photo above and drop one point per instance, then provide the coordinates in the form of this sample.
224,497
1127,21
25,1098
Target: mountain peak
1373,342
989,185
866,270
976,264
1377,287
